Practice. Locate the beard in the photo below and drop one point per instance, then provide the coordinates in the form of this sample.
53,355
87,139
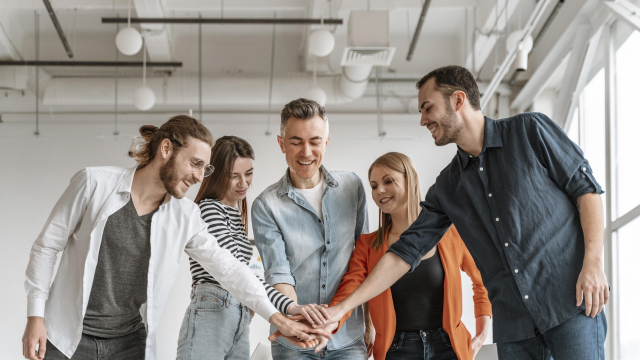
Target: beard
170,178
451,127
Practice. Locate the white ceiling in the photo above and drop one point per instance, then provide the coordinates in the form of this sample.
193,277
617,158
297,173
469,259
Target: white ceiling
245,50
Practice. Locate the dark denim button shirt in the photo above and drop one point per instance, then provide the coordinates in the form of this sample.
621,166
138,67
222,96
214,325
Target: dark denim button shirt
515,208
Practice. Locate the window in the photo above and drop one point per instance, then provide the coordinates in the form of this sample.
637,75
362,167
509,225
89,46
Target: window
628,291
628,88
593,102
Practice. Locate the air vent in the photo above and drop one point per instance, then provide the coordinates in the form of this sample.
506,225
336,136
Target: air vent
373,56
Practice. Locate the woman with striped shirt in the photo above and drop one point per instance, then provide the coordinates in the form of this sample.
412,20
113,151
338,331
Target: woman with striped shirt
216,325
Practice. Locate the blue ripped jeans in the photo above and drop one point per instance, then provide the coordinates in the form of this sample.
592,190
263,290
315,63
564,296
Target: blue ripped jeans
215,326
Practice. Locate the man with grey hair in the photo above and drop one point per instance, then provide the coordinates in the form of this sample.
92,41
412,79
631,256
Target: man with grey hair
306,226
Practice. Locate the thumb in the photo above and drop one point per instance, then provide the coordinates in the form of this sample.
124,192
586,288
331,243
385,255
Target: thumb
275,335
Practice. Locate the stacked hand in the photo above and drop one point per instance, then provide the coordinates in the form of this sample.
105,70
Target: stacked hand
322,328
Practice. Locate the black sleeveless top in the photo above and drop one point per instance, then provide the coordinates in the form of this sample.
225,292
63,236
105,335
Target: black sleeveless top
418,297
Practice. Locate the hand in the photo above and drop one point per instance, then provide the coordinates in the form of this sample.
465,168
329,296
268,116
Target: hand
323,340
369,330
335,313
35,333
314,314
592,282
251,313
482,331
295,329
304,344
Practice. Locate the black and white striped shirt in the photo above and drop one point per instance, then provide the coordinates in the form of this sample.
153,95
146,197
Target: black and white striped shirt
225,224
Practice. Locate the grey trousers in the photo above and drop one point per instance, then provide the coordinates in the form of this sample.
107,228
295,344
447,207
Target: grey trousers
129,347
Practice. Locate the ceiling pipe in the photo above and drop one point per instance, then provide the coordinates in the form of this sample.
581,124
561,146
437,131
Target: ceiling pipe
215,91
56,23
416,34
511,55
244,21
86,63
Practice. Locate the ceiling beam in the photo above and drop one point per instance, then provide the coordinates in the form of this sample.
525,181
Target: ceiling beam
508,60
626,11
56,24
416,34
578,69
237,21
87,63
552,51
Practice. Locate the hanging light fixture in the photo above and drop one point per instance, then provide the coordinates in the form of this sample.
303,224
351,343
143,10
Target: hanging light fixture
129,40
523,48
321,41
144,98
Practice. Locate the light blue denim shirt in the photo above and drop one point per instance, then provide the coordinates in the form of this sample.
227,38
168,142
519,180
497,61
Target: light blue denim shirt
312,254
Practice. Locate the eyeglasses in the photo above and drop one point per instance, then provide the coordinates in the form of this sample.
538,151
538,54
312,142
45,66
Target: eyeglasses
198,165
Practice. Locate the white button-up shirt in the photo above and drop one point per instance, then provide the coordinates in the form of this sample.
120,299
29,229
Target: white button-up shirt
76,225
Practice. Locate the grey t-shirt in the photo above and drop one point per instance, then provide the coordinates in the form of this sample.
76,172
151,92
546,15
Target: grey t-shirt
120,282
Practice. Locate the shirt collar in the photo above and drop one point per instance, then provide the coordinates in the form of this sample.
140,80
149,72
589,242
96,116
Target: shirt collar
127,182
492,139
286,186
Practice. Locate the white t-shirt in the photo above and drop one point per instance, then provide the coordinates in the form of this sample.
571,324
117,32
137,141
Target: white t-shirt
314,197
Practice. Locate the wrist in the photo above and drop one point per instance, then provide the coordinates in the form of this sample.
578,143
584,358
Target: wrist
277,319
593,260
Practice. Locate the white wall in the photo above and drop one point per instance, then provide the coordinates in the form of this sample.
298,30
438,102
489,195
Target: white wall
35,172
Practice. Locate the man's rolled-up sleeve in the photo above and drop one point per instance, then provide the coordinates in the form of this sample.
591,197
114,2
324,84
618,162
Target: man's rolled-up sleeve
424,233
563,159
271,245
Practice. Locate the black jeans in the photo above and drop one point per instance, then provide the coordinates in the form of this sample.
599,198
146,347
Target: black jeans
422,344
128,347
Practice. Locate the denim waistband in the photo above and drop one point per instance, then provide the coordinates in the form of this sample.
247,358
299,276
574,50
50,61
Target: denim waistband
417,334
215,291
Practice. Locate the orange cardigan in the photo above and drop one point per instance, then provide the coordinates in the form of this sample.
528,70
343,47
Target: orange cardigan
454,256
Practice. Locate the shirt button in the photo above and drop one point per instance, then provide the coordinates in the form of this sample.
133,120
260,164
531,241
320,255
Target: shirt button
526,297
497,219
324,264
506,244
329,242
481,169
584,169
516,271
323,286
490,194
470,156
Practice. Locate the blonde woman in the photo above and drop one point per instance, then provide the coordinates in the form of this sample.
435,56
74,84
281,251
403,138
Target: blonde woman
419,316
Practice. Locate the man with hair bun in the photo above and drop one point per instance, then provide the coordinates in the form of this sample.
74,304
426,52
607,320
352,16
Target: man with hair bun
121,233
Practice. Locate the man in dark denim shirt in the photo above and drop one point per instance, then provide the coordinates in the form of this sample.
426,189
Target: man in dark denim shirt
527,206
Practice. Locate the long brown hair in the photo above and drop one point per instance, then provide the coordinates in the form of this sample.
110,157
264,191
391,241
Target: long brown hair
223,156
394,161
178,129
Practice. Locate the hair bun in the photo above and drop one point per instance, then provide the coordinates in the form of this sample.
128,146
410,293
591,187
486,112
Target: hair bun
148,130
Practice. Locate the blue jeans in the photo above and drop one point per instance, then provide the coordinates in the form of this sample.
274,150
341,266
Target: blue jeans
128,347
215,326
580,337
355,351
423,345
